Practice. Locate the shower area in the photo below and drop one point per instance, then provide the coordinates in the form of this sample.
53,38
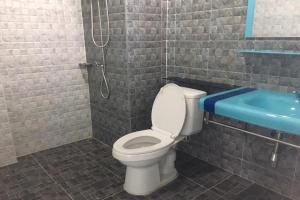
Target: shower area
132,58
72,70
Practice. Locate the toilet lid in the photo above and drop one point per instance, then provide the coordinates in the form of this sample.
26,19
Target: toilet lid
169,110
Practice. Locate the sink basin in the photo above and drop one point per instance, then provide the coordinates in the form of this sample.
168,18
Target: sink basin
274,110
279,104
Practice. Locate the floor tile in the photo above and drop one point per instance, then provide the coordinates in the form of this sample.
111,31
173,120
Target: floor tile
231,187
26,180
182,158
87,171
209,195
256,192
125,196
180,189
102,154
202,173
81,175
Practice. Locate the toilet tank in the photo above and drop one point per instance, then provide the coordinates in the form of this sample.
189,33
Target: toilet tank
194,116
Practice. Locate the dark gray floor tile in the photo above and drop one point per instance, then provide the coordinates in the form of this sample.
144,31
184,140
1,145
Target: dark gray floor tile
87,171
24,164
26,180
182,158
89,145
202,173
102,154
209,195
256,192
53,193
94,182
179,189
295,191
125,196
67,156
80,174
297,173
232,187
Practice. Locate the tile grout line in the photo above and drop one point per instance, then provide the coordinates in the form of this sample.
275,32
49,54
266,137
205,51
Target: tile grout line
246,178
112,195
252,183
243,189
51,177
117,176
98,141
206,188
221,181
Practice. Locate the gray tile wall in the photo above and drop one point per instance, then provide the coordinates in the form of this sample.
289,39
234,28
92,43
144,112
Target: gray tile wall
46,92
144,44
203,38
133,60
203,42
111,118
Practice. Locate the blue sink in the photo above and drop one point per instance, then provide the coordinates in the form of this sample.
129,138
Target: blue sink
277,111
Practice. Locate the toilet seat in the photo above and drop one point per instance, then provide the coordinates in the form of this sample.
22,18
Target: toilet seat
126,145
168,116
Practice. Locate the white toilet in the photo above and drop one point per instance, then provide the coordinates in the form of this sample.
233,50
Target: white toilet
149,154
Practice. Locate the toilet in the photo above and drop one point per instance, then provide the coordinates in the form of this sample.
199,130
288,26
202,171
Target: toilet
149,154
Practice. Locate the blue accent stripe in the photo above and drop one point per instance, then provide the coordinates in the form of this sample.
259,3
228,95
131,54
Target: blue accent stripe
209,103
250,19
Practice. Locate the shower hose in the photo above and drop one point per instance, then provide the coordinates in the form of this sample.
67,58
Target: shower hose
104,82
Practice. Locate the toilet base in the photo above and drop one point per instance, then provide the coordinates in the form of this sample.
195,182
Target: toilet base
149,186
168,179
147,179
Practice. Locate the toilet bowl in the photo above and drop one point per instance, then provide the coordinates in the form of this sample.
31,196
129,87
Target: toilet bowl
149,154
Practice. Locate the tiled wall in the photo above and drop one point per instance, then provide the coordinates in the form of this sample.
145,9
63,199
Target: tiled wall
110,117
203,39
133,64
271,20
144,47
46,92
203,42
7,147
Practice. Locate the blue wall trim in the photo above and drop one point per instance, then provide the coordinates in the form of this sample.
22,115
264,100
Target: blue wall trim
250,18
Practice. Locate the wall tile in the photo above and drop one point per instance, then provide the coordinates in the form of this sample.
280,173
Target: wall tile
46,92
7,148
266,178
259,152
133,66
203,44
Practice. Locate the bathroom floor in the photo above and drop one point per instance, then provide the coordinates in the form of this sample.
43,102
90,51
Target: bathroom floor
86,170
